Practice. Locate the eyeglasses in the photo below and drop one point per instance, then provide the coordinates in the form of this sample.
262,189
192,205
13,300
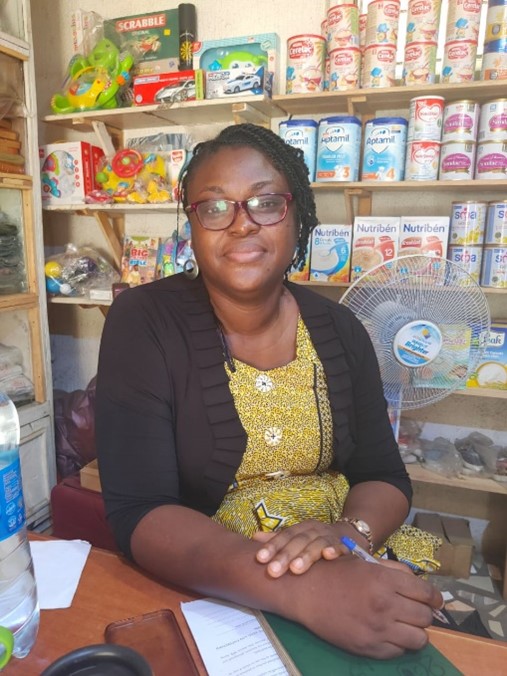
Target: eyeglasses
268,209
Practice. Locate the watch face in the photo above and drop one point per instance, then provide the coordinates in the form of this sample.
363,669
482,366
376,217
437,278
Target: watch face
362,526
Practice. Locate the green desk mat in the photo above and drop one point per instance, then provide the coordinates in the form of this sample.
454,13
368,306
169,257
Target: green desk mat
315,657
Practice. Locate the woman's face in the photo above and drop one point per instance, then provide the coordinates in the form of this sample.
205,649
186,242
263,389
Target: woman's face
245,257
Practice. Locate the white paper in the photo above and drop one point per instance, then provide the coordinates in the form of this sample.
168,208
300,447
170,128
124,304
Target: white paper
231,640
58,565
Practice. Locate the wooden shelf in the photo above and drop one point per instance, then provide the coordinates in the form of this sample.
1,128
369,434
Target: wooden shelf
19,301
482,392
15,47
359,187
418,473
63,300
112,209
370,101
344,285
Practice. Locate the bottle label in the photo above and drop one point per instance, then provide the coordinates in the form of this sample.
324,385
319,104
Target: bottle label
12,506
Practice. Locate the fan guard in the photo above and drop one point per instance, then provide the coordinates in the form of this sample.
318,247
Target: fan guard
429,322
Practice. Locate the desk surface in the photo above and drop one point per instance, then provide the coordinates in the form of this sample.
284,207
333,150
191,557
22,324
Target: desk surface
111,589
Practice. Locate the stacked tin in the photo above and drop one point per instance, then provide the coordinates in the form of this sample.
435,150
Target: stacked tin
491,161
459,140
424,138
420,55
468,222
461,39
494,264
344,53
380,39
494,59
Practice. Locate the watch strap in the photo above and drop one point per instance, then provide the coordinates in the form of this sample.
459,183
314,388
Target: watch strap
361,527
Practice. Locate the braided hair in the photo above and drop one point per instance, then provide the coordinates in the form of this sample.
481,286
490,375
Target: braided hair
286,159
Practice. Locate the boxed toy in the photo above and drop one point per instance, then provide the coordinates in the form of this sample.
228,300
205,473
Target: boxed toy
244,66
184,85
491,371
67,173
152,38
375,241
139,263
330,257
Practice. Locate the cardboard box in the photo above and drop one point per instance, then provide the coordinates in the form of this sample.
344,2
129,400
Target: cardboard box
375,241
185,85
89,475
66,172
491,371
455,554
330,253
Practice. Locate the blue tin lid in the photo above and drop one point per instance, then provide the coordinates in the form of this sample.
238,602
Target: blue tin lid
298,123
341,119
388,120
496,47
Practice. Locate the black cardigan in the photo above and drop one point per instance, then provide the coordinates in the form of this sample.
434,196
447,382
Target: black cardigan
167,430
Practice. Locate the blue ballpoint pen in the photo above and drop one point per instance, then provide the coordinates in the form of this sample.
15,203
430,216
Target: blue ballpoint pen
363,554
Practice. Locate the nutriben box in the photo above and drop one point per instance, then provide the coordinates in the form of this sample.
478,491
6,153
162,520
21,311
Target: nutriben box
374,241
330,253
425,235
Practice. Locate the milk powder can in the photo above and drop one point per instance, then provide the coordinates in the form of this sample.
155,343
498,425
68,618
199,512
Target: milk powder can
302,134
382,22
379,64
494,60
343,26
460,121
493,121
344,68
496,224
422,160
467,257
463,20
423,17
384,149
468,223
338,149
306,55
494,267
496,21
458,64
419,63
457,161
425,118
491,160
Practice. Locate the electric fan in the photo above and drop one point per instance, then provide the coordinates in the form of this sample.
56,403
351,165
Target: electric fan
429,322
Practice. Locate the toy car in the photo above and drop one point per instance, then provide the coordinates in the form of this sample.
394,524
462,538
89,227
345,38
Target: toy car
177,92
241,83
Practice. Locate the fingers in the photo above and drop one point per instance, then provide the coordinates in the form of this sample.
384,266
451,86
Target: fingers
420,590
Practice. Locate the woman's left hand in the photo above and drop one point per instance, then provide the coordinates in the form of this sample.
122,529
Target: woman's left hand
297,547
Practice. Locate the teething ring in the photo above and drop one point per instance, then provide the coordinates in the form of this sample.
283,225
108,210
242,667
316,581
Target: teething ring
127,163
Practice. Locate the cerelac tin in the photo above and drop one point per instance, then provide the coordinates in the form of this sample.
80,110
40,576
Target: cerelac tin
306,55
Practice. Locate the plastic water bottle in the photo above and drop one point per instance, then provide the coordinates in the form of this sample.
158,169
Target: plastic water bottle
19,606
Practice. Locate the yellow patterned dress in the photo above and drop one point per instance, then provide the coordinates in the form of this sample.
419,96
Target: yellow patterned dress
284,476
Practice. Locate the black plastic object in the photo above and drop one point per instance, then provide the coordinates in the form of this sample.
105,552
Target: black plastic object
100,660
187,23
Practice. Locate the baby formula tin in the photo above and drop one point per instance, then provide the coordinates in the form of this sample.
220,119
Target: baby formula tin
379,63
343,26
494,267
469,258
460,121
463,20
496,21
491,160
496,224
306,56
494,60
384,149
302,134
468,222
457,161
419,63
422,160
344,68
425,119
493,121
338,149
458,64
382,22
422,20
362,30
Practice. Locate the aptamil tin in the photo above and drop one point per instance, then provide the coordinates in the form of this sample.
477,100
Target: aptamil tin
343,26
494,60
463,20
419,63
425,119
306,56
457,161
493,121
302,134
344,68
468,257
491,160
338,149
460,121
422,20
496,224
458,64
384,149
382,22
494,267
379,64
422,160
496,21
468,223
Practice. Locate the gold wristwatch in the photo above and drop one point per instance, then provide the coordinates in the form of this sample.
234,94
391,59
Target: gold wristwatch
362,528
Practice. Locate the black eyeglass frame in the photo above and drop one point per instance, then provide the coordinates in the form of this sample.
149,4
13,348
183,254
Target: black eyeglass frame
238,204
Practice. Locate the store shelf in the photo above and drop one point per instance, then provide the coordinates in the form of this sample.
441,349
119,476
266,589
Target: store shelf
15,180
112,209
482,392
63,300
15,47
344,285
369,101
418,473
479,186
19,301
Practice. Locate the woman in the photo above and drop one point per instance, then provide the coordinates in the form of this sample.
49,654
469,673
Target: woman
233,408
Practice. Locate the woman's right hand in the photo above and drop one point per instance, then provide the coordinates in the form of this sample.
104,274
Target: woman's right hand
376,611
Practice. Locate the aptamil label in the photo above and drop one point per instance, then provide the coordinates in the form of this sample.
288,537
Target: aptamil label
417,343
12,506
384,150
302,134
330,253
338,149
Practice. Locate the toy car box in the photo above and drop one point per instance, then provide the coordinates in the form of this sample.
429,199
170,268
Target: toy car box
242,66
152,39
68,171
184,85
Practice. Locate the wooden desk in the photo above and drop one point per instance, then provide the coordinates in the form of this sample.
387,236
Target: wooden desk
111,589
